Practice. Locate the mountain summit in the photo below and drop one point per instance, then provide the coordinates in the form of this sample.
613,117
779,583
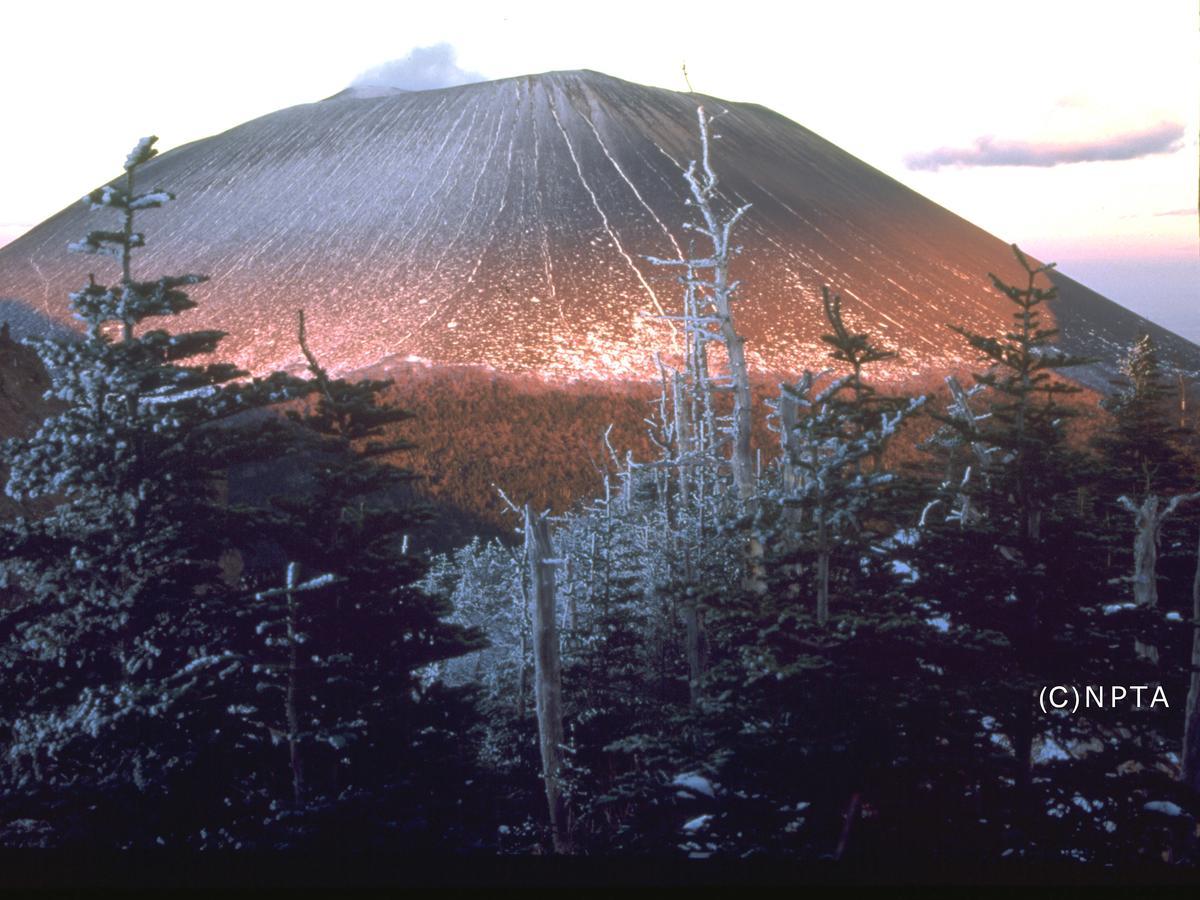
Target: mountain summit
505,223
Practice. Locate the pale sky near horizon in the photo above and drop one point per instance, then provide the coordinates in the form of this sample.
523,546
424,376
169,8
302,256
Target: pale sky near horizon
1068,127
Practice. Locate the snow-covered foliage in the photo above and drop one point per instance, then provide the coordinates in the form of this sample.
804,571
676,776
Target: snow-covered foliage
116,627
137,669
643,568
833,439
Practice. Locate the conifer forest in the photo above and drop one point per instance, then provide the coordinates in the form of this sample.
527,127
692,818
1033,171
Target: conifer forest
830,622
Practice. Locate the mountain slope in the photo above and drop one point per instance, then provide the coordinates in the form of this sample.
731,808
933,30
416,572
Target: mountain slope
503,224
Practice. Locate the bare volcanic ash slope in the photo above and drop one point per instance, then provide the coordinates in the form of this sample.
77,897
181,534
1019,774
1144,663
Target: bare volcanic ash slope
503,224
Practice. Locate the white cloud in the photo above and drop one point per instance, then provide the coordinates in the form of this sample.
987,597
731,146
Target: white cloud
424,69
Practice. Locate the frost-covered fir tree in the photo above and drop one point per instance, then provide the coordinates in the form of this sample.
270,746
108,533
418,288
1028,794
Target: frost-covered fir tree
118,624
625,680
486,585
367,746
629,668
1028,416
965,457
833,440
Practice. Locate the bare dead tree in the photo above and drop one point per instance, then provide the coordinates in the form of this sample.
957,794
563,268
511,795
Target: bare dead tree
712,317
547,673
1148,518
523,647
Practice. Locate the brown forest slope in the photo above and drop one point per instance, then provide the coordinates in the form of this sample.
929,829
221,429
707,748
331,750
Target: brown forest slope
543,443
474,430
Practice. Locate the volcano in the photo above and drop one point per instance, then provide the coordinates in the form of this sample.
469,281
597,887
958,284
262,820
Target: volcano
505,225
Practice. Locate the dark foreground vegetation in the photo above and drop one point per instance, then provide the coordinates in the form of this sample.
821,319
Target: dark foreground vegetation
816,630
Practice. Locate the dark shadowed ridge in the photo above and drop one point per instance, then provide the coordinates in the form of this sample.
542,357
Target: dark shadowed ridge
503,224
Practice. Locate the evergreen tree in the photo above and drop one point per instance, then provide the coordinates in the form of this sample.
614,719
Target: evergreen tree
801,718
378,752
1028,415
626,681
1008,580
859,405
844,425
488,585
119,621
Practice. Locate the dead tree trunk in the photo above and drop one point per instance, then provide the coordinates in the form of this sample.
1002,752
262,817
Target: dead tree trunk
290,701
547,674
686,450
824,548
722,290
1148,521
716,295
789,418
848,819
793,480
696,655
804,481
1191,727
1182,400
1145,550
683,437
526,631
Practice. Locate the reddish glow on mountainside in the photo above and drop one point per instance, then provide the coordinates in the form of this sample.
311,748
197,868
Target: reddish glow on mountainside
505,225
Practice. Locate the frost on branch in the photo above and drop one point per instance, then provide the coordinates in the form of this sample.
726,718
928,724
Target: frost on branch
708,311
832,440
